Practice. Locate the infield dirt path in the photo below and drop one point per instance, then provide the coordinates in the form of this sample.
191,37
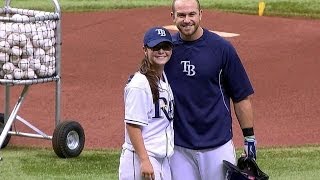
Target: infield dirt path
101,49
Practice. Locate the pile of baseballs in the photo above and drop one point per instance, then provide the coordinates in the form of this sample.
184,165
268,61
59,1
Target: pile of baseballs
27,49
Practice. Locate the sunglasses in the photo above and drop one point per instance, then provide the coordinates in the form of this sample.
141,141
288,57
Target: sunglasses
163,46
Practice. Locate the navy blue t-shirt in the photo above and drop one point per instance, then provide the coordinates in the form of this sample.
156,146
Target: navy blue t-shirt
204,75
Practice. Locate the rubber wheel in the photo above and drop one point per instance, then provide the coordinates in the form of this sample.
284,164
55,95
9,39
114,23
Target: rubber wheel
7,139
68,139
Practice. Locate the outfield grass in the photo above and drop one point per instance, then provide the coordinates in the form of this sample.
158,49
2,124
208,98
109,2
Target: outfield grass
42,163
296,163
289,8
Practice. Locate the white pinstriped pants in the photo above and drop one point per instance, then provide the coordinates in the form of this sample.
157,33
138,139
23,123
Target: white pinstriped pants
129,168
188,164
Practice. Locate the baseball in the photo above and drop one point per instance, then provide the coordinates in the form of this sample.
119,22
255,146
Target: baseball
42,71
29,74
23,64
8,76
39,14
19,17
53,41
48,61
16,39
4,46
7,28
27,50
39,53
37,40
24,18
45,61
14,59
34,64
16,51
53,61
51,24
33,29
18,73
28,30
50,34
8,68
41,42
17,28
12,39
4,57
47,44
51,51
21,40
42,30
51,70
3,34
16,16
38,24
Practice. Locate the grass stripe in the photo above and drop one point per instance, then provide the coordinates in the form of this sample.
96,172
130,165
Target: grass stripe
298,163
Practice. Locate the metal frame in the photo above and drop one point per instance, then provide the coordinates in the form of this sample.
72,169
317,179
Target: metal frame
10,117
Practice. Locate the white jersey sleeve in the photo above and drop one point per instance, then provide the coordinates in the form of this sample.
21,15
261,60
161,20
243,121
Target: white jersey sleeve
138,101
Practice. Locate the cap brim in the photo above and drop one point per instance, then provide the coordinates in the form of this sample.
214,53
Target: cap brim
158,41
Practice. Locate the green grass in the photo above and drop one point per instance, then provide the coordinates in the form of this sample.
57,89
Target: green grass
299,163
35,163
287,8
295,163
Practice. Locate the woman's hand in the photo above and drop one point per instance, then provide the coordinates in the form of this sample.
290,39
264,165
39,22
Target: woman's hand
147,171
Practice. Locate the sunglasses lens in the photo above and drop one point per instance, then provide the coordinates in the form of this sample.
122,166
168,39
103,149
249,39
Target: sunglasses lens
165,47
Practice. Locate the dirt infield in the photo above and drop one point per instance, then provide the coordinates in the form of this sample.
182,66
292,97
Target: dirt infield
101,49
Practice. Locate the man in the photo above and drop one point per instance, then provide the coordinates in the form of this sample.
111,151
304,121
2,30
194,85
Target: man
205,72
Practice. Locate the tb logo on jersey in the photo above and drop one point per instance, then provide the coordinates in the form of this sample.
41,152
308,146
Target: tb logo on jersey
161,32
188,68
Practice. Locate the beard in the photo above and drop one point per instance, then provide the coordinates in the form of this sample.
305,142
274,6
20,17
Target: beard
188,30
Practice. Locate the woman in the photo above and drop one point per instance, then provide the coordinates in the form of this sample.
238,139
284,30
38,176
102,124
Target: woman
148,103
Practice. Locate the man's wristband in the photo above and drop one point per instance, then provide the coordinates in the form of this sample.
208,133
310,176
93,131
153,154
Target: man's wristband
248,132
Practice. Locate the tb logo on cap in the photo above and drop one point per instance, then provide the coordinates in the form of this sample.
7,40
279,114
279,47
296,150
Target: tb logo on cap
161,32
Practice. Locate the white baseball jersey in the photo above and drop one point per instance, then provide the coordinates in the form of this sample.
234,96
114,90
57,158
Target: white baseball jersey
154,118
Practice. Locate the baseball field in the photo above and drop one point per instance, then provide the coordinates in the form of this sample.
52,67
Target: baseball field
102,46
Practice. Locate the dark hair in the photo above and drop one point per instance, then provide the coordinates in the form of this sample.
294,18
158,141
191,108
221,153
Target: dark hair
174,1
147,69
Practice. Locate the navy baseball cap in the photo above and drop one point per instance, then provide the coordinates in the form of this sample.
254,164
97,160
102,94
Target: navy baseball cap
157,35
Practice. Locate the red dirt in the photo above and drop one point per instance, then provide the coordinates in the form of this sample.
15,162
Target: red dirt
100,50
